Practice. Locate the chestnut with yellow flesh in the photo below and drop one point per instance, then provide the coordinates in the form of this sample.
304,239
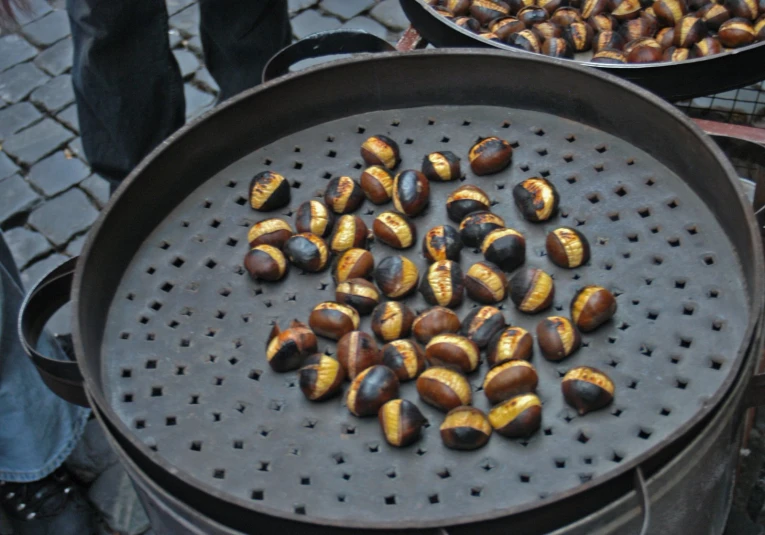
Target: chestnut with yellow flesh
609,57
465,428
510,379
441,166
548,30
269,232
759,28
527,40
453,350
590,8
351,233
511,343
505,27
442,243
321,377
592,307
395,230
626,10
476,226
443,284
411,192
579,36
482,324
457,7
333,320
307,251
745,9
689,30
603,22
666,37
566,16
357,351
370,390
466,200
708,46
520,416
313,216
353,264
532,290
401,422
444,388
269,191
643,50
490,37
485,283
557,338
490,155
567,247
396,276
536,199
735,33
265,262
343,195
531,15
675,53
714,15
434,321
392,321
557,47
285,350
359,294
607,40
587,389
377,183
405,358
381,150
550,5
504,247
486,11
469,23
670,11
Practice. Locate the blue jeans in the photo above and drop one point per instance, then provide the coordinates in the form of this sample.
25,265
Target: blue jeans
37,429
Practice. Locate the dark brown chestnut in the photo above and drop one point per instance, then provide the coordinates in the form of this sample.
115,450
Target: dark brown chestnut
579,36
401,422
333,320
536,199
556,47
520,416
531,15
482,324
465,200
321,377
395,230
377,184
557,338
405,358
565,16
442,243
396,276
666,37
443,284
359,294
453,351
353,264
307,252
759,27
689,30
477,225
735,33
486,11
504,247
626,10
591,8
469,23
603,22
532,290
607,40
510,343
381,150
493,37
551,6
269,191
411,192
505,27
265,262
370,390
713,15
434,321
592,307
675,53
490,155
457,7
343,195
548,30
350,233
637,29
465,429
744,9
567,247
643,50
314,216
669,12
357,351
587,389
527,40
443,166
269,232
485,283
609,56
444,388
286,350
392,321
509,379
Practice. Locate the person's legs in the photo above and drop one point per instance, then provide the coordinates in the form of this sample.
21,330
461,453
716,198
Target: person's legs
239,37
126,81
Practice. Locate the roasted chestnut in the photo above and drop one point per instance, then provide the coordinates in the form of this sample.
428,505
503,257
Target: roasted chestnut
548,30
269,232
505,27
396,276
285,350
626,10
381,150
314,217
370,390
490,155
579,36
510,343
557,338
504,247
550,5
713,15
486,11
444,388
485,283
592,307
443,284
606,40
491,37
643,50
343,195
476,226
411,192
377,184
443,166
690,30
567,247
482,324
669,12
536,199
666,37
359,294
353,264
465,428
269,191
609,56
509,379
735,33
532,290
745,9
531,15
520,416
566,15
265,262
527,40
405,358
603,22
469,23
759,27
350,233
392,321
675,53
357,351
708,46
401,422
465,200
307,251
556,47
395,230
333,320
321,377
457,7
587,389
591,8
453,351
637,28
434,321
442,243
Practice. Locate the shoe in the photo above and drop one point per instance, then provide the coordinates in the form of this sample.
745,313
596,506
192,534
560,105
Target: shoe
51,506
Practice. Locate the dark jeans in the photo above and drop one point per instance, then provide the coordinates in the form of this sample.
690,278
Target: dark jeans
127,83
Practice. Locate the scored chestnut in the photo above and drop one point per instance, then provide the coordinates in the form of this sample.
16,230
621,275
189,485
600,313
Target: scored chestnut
343,195
490,37
532,290
626,10
567,247
434,321
511,343
465,200
381,150
469,23
269,191
405,358
482,324
504,247
609,56
603,22
486,283
646,51
714,15
392,320
509,379
745,9
307,252
314,216
359,294
536,199
286,350
606,40
708,46
401,422
485,11
669,12
759,26
675,53
564,16
736,32
490,155
377,183
637,28
269,232
666,37
442,243
531,15
587,389
353,264
690,30
321,377
443,284
477,225
357,351
395,230
443,166
465,428
444,388
265,262
548,30
396,276
333,320
591,307
528,40
457,7
520,416
453,351
350,233
505,27
557,338
591,8
579,36
411,192
550,5
370,390
557,47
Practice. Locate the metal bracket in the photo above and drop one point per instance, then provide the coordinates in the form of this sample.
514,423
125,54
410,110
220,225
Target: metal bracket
641,488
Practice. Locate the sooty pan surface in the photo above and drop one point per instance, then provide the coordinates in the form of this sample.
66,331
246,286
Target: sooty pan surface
185,363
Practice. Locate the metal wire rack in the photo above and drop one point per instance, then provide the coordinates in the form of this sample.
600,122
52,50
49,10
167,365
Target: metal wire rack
745,106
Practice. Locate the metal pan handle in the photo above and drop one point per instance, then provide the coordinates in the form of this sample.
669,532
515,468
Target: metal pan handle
63,377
